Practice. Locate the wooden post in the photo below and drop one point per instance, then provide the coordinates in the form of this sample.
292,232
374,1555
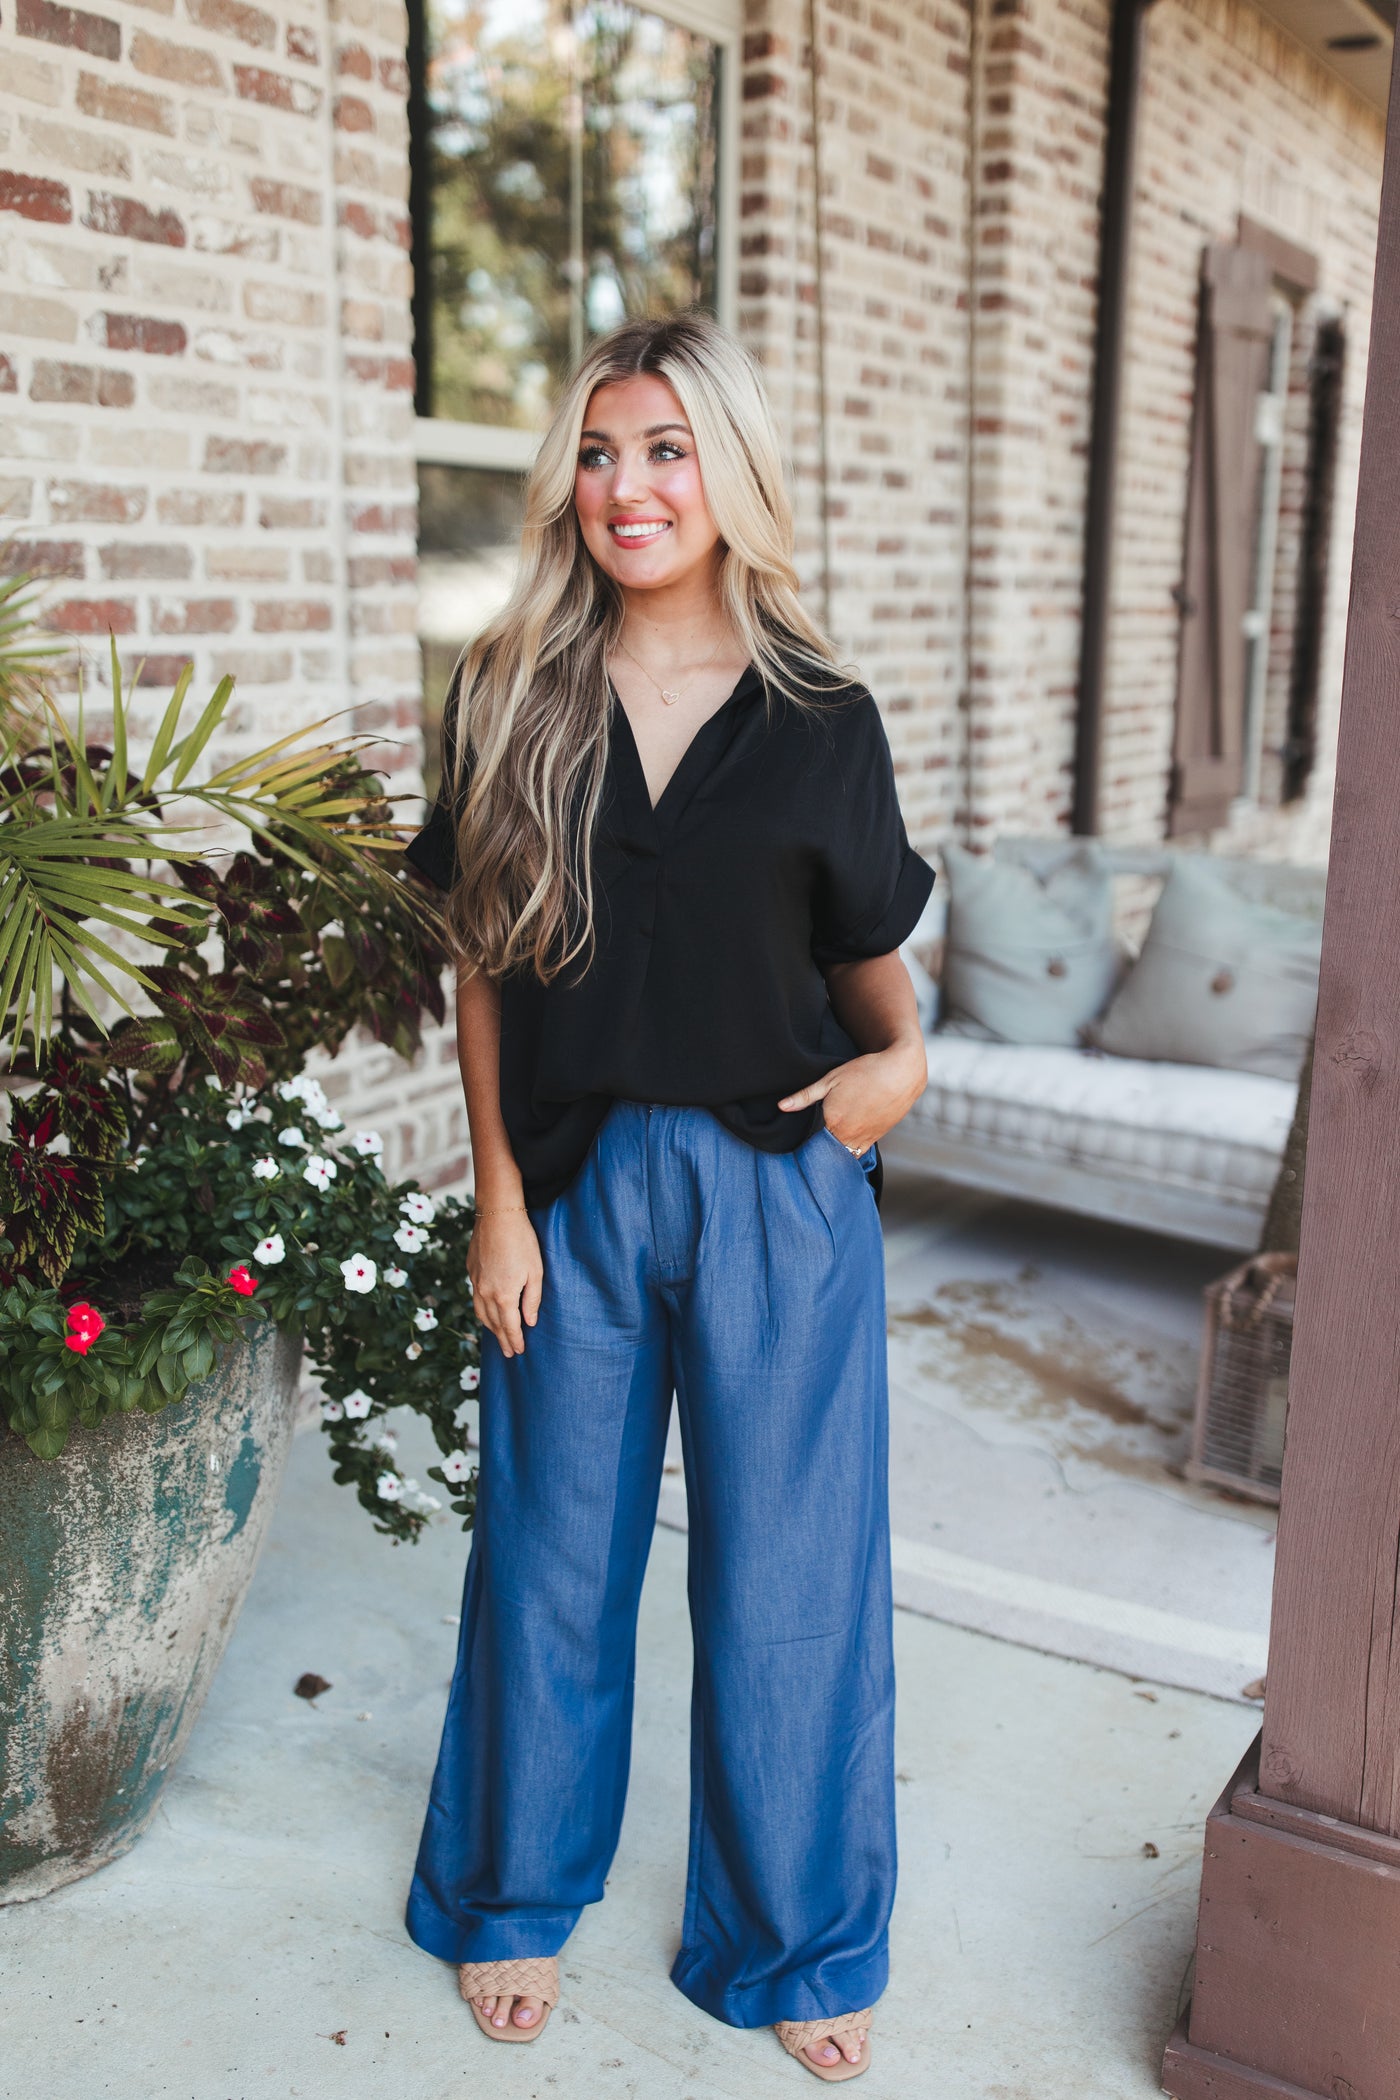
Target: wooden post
1297,1988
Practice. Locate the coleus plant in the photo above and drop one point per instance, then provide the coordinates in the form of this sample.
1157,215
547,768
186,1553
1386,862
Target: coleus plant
130,1212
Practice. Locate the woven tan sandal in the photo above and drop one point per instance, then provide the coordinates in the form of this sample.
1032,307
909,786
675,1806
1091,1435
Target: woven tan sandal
535,1976
796,2034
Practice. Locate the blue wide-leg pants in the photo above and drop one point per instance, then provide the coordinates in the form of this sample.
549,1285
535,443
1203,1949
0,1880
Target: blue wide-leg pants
751,1285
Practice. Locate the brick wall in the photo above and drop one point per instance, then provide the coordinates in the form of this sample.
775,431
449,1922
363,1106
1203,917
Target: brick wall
206,385
1235,117
892,100
960,236
1042,82
961,153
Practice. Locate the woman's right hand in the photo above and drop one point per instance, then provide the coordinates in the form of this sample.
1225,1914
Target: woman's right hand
507,1276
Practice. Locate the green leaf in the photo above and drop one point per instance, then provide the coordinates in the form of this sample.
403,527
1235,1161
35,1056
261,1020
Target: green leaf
115,783
55,1406
146,1043
192,745
165,735
199,1361
339,962
46,1442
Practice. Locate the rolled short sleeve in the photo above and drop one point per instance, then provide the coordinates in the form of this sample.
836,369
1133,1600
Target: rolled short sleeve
872,886
433,851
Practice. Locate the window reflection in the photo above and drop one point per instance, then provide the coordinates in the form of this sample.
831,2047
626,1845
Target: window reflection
468,530
571,162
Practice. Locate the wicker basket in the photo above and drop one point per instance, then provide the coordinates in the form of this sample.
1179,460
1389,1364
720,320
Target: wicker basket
1242,1398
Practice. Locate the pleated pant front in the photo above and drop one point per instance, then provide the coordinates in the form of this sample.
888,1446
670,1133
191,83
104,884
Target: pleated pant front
751,1285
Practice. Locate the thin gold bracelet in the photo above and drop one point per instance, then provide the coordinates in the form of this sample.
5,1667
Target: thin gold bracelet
500,1209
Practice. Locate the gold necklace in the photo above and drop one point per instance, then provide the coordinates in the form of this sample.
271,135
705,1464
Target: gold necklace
671,694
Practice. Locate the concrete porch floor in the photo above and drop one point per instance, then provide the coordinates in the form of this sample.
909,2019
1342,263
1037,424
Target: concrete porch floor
1050,1811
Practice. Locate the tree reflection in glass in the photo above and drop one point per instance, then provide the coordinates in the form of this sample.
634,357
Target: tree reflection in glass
571,161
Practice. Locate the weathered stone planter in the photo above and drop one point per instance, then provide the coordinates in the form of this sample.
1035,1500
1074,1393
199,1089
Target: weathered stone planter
123,1565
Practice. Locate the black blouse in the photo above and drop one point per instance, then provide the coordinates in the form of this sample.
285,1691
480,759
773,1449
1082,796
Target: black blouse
775,848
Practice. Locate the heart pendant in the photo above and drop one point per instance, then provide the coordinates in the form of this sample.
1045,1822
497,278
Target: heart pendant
669,697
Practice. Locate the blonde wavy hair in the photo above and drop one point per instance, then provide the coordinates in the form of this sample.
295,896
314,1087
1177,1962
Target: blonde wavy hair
527,717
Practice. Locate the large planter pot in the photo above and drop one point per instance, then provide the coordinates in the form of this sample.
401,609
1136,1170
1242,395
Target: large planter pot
123,1565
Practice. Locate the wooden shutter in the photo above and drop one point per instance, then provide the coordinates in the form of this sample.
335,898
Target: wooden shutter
1232,370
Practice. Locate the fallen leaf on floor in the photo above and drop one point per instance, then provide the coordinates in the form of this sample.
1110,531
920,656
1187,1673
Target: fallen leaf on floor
338,2037
310,1686
1149,1850
1255,1689
1152,1696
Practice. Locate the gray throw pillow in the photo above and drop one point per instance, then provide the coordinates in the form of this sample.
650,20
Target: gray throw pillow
1220,981
1030,955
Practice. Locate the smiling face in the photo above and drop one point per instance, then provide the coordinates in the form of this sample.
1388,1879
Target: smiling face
637,488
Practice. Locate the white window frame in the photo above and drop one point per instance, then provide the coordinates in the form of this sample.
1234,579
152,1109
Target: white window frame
1269,411
441,442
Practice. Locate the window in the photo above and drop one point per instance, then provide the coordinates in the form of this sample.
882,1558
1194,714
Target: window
570,167
1270,414
468,526
1258,527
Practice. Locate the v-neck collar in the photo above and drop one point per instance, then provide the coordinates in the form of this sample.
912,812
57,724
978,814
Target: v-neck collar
693,766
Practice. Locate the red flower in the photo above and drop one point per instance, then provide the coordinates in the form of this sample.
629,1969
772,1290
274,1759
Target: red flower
85,1323
242,1282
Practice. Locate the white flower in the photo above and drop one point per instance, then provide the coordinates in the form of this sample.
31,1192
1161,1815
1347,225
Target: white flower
358,1404
235,1119
425,1319
414,1351
290,1136
426,1504
456,1466
470,1378
359,1272
368,1143
327,1119
410,1239
332,1411
463,1414
271,1250
266,1168
303,1088
319,1172
395,1277
213,1079
389,1487
418,1208
384,1440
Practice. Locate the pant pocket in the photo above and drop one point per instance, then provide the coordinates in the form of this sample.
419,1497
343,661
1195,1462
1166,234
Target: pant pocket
864,1159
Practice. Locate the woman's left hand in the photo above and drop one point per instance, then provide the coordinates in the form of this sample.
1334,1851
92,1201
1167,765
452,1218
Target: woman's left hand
867,1096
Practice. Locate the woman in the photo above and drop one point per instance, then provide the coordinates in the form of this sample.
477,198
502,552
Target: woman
678,877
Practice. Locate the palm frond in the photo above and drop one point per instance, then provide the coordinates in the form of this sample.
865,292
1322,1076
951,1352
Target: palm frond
83,832
24,652
56,887
165,735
